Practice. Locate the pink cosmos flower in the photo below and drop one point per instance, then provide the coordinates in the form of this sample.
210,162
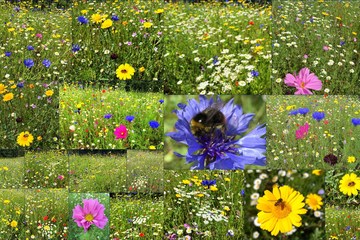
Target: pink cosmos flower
303,82
121,132
91,214
61,177
326,48
302,131
39,35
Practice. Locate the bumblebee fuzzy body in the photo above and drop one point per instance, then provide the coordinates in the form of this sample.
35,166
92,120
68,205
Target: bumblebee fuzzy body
207,123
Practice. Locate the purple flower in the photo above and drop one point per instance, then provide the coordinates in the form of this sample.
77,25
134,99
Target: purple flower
75,48
29,63
30,48
108,116
83,20
331,159
215,60
318,116
129,118
230,149
7,54
154,124
20,85
91,214
294,112
254,73
161,101
303,111
355,121
114,18
46,63
208,183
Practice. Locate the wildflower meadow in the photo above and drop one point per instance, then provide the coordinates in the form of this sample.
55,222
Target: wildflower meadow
313,131
321,36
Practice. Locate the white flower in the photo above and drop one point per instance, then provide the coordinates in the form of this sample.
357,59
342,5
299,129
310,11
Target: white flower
330,63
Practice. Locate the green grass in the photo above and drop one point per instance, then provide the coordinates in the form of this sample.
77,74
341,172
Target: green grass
342,223
144,171
47,214
135,215
335,25
93,233
209,212
98,173
335,134
84,110
9,172
46,170
12,210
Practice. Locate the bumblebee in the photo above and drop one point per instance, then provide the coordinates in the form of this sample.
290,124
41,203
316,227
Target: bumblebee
207,122
280,202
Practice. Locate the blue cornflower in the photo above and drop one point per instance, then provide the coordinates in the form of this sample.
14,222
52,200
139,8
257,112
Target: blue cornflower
30,48
342,43
16,9
114,18
181,105
129,118
7,54
242,192
355,121
208,183
303,111
311,19
161,101
83,20
347,228
20,85
29,63
75,48
46,63
154,124
254,73
294,112
318,116
233,148
215,60
230,233
108,116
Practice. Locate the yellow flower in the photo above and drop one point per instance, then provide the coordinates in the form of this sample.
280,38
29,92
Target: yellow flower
354,33
47,228
280,209
6,201
49,93
338,18
39,138
351,159
147,24
290,107
159,11
13,224
7,97
5,168
84,11
213,188
142,69
125,71
178,195
325,14
350,184
25,139
2,88
226,208
96,18
258,49
186,182
106,24
227,179
314,201
200,195
317,172
152,147
11,29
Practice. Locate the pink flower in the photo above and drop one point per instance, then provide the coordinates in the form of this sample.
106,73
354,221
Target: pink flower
326,48
91,214
121,132
61,177
38,35
302,131
306,56
303,82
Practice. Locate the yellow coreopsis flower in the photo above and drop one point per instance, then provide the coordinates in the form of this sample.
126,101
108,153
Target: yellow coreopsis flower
7,97
13,224
159,11
106,24
96,18
25,139
147,24
49,93
351,159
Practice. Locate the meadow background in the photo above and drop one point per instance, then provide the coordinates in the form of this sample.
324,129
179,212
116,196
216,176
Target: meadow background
333,135
319,35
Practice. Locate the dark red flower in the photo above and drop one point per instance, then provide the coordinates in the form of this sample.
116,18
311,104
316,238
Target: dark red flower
141,234
45,218
331,159
251,23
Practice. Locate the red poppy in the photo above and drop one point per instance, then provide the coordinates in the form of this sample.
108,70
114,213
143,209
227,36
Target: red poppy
103,91
141,234
45,218
251,23
326,122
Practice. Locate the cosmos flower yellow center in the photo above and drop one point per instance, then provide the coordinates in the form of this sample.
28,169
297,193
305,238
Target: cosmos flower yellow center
351,184
281,209
302,84
89,217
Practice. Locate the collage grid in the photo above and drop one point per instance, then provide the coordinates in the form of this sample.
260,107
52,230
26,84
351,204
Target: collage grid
179,119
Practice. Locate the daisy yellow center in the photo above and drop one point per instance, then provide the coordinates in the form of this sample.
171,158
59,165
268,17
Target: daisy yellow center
281,209
351,184
89,217
313,202
124,71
